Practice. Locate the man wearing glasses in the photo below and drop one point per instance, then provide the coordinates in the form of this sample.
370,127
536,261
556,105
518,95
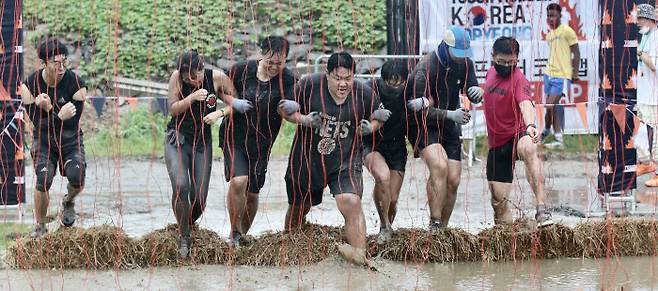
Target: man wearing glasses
511,132
248,133
54,98
333,112
435,117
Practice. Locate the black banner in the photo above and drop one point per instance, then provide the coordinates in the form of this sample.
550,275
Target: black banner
11,139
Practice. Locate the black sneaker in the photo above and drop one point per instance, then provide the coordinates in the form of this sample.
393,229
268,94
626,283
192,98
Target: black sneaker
235,239
184,247
544,134
68,213
435,225
543,217
39,231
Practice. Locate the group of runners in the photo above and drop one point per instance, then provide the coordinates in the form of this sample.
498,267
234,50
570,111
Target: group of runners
342,125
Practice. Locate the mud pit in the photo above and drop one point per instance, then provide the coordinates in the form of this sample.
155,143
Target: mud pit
116,196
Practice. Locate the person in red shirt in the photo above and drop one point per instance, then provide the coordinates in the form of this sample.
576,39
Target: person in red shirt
511,132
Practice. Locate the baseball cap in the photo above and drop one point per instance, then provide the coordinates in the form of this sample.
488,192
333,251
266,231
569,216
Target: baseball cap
458,41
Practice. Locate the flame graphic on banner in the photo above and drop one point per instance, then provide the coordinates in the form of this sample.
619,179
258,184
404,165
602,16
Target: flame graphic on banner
632,16
630,84
574,19
605,84
606,20
607,43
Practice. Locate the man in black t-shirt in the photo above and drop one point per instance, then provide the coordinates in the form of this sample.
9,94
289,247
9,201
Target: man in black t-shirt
247,135
54,98
332,111
435,117
385,152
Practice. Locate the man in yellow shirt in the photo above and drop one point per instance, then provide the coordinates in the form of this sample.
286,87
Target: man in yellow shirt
563,63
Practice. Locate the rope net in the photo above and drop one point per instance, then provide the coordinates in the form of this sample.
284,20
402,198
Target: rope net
151,164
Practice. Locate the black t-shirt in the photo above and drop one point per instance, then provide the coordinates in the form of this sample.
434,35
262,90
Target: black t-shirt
46,122
336,145
258,128
440,83
190,123
395,127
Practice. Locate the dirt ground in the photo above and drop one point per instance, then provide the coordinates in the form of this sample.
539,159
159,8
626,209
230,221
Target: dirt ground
135,195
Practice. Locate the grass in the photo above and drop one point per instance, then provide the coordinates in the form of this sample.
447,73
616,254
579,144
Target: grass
141,134
8,229
574,144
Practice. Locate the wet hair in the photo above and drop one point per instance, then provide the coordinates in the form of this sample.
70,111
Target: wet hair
555,7
50,48
396,68
275,45
506,45
340,60
190,61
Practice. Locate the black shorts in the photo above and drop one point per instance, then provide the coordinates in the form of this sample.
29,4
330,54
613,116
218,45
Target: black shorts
501,161
448,135
395,153
301,191
48,157
239,161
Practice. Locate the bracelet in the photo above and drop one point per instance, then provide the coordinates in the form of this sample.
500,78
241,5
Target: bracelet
529,125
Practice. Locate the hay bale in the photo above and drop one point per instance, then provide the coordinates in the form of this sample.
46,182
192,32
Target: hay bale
522,241
312,244
160,248
617,237
102,247
107,247
421,246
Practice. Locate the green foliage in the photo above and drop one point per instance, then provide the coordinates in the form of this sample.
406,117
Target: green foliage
140,133
283,143
140,38
10,230
573,144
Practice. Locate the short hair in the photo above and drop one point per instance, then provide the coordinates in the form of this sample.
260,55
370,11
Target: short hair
50,48
395,68
506,45
275,45
190,61
554,6
340,60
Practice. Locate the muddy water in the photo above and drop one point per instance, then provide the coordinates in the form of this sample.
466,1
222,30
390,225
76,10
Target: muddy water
135,195
334,274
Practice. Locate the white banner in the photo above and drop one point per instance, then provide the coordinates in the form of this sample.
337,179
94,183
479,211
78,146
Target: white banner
526,21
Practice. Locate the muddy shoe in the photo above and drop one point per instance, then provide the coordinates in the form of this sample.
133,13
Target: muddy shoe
435,225
354,255
385,234
543,217
236,239
184,247
39,231
68,213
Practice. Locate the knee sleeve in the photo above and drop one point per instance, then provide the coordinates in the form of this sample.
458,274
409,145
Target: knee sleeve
44,181
75,173
44,174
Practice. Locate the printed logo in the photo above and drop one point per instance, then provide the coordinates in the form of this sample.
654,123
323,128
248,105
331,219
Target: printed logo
211,101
